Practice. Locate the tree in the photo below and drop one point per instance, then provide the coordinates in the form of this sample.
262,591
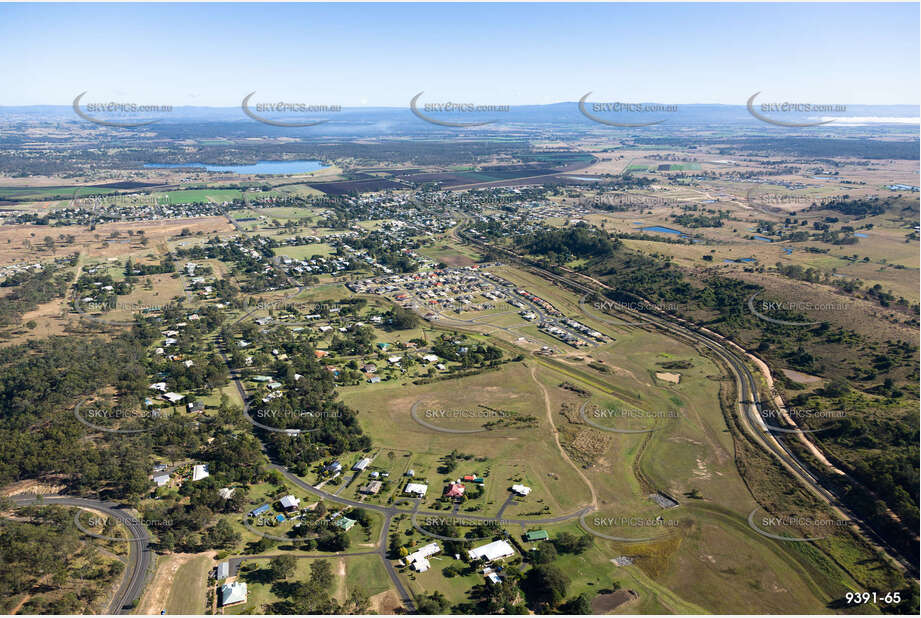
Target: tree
282,566
545,585
582,604
434,603
545,553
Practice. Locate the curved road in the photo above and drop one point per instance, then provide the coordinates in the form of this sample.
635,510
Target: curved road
749,403
140,557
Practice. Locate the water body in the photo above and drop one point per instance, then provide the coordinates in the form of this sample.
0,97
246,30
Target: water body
584,178
825,177
859,235
262,167
762,238
741,260
664,230
788,250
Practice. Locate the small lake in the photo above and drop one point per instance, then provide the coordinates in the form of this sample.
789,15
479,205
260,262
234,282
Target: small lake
824,177
788,250
261,167
859,235
664,230
761,238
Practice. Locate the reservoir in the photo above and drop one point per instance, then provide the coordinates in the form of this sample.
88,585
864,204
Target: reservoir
262,167
664,230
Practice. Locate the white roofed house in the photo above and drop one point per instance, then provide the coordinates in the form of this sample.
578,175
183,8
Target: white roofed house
418,560
416,489
173,397
496,550
289,502
362,464
521,490
233,593
200,472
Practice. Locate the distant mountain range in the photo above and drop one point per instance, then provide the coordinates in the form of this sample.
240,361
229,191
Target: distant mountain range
521,119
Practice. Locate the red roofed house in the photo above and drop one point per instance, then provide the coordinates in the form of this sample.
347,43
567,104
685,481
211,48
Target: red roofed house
454,490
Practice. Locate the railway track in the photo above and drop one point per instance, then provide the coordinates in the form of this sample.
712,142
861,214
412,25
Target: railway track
750,406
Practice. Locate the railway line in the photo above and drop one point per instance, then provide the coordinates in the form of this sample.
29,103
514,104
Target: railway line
750,405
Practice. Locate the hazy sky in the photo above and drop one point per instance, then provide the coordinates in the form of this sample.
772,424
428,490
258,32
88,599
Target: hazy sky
383,54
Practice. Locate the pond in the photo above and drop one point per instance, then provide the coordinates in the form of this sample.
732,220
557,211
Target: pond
664,230
261,167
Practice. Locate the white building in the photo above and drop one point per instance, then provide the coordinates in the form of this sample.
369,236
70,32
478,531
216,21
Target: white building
418,560
521,490
200,472
233,593
492,551
289,502
416,489
361,465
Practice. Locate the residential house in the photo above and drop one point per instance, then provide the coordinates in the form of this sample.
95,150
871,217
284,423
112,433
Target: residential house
418,560
416,489
496,550
233,594
521,490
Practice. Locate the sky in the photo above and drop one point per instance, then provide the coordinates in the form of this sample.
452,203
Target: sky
508,54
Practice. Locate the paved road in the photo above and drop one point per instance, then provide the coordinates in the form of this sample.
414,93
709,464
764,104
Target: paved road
389,512
140,557
749,403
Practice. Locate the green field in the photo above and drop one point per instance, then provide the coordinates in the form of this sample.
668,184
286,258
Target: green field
303,252
187,594
200,195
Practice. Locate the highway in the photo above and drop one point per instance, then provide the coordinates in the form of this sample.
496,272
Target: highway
140,557
749,400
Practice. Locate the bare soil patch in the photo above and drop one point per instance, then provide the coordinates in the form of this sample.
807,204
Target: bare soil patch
606,603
